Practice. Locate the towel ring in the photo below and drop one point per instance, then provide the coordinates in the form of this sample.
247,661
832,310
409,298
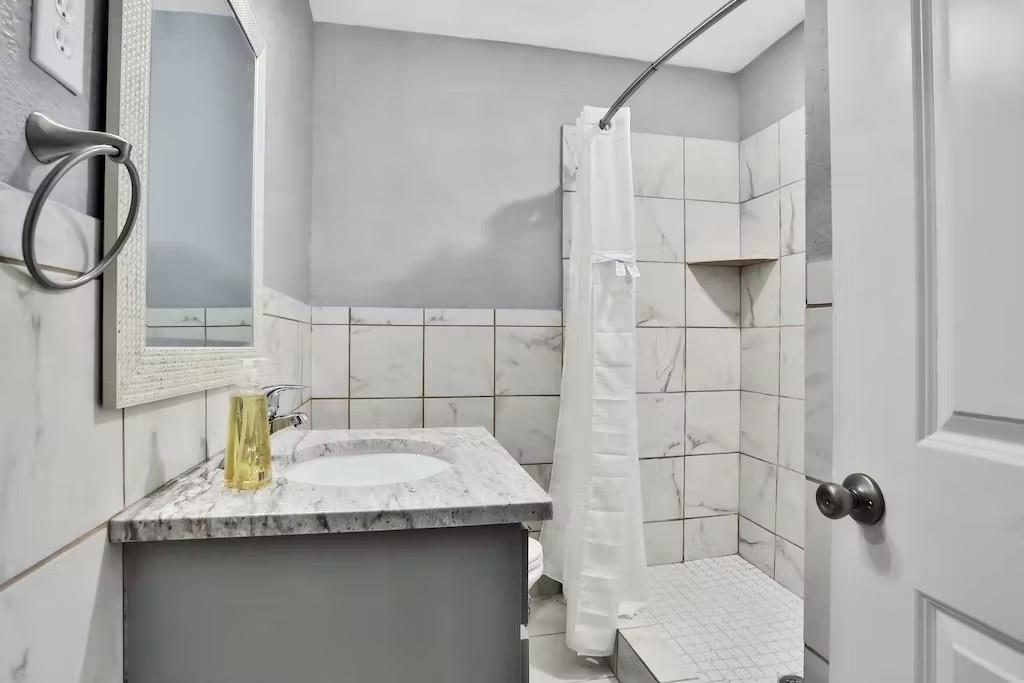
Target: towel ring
49,142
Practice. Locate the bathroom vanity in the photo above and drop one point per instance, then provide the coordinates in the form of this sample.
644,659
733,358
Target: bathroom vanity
415,573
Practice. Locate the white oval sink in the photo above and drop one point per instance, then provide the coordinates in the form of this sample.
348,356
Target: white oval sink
365,469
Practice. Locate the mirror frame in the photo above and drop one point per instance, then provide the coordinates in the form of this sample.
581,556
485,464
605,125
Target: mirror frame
134,373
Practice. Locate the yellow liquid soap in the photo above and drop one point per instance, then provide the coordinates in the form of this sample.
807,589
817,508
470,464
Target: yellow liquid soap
247,457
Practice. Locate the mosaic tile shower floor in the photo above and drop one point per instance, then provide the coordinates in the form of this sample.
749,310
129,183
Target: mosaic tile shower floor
732,621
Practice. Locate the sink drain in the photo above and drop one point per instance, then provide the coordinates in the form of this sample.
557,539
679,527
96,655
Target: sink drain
791,678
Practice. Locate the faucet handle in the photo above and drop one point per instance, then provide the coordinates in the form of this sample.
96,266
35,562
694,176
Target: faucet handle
273,394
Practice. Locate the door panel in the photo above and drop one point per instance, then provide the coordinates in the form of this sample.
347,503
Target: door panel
927,105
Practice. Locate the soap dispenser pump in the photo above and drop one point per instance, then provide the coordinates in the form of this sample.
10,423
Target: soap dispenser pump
247,456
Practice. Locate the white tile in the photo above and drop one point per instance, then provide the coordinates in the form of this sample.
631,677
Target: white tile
540,474
65,238
760,359
459,412
330,361
789,566
757,491
525,426
712,169
175,317
386,361
792,288
760,227
663,542
552,662
712,484
217,410
712,296
819,282
657,165
817,579
791,373
791,433
286,346
458,361
385,413
791,147
759,426
789,518
661,486
757,546
227,336
712,422
759,163
819,406
330,315
528,317
386,316
61,458
712,359
459,316
570,209
547,616
175,336
710,537
661,424
162,440
761,290
281,305
569,162
659,229
712,231
528,360
659,655
330,413
660,300
793,210
660,360
63,621
229,316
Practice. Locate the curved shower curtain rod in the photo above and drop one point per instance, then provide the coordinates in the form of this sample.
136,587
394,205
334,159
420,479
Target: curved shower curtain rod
656,64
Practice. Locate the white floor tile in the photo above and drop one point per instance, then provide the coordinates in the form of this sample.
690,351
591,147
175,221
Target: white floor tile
552,662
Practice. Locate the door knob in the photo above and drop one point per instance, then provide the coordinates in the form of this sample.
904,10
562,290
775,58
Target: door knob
859,497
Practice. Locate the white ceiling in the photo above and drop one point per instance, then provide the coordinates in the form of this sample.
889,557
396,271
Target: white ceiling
635,29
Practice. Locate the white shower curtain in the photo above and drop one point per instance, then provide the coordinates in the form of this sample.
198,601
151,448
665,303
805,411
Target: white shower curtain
594,543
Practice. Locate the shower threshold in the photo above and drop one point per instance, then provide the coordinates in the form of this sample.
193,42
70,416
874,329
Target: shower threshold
720,619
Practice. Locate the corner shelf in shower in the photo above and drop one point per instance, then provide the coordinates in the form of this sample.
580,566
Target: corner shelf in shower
740,261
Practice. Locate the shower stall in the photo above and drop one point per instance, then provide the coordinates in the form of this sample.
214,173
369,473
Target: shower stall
717,346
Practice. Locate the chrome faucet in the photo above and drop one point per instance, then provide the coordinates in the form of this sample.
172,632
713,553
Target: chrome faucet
278,422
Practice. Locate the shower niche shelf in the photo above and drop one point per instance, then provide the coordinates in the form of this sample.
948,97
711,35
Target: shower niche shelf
739,261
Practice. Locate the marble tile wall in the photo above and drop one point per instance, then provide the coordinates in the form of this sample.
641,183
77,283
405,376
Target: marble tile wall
69,464
689,375
772,490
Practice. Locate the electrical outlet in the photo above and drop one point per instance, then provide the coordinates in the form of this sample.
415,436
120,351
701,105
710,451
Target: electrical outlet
58,40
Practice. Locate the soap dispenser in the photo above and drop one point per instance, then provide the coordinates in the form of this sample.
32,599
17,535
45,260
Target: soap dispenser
247,456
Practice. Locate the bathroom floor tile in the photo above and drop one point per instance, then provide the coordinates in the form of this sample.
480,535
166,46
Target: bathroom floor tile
552,662
547,616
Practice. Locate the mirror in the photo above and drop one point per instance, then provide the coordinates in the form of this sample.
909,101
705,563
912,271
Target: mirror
186,87
199,245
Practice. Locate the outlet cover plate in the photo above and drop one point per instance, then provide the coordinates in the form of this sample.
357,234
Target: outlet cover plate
58,40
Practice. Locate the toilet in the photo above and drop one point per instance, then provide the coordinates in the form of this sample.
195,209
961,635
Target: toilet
534,562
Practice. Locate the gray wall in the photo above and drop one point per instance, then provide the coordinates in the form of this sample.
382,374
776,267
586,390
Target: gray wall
436,161
772,85
199,250
25,88
288,27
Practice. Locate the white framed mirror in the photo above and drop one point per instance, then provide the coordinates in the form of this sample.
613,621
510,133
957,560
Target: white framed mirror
186,86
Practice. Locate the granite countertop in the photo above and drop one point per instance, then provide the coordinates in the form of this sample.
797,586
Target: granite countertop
484,485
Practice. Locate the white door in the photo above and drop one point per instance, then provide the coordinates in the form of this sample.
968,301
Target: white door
927,131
